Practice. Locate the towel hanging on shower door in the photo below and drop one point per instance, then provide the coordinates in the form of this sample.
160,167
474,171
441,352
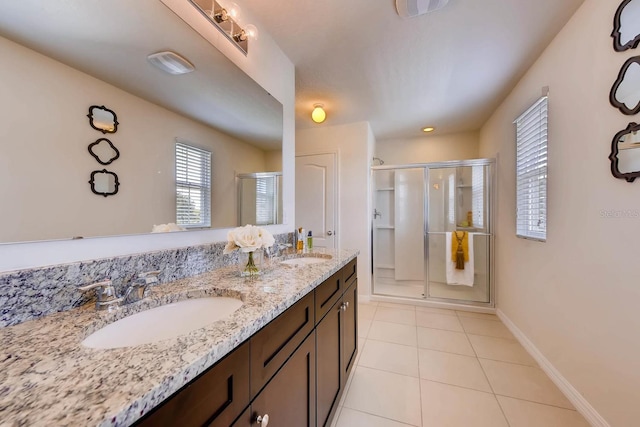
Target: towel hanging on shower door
459,248
459,277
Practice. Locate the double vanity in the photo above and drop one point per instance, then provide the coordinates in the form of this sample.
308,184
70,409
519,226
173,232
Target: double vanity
281,353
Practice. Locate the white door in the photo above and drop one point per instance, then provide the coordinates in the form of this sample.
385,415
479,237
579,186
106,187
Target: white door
316,197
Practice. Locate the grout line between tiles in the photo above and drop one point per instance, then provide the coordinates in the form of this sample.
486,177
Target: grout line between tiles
502,409
538,403
460,386
389,342
514,363
385,418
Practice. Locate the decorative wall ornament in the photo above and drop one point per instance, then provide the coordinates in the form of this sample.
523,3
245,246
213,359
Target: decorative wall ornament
104,183
625,153
103,119
626,26
104,151
625,93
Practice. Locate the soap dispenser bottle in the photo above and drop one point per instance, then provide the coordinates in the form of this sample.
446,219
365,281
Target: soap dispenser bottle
300,244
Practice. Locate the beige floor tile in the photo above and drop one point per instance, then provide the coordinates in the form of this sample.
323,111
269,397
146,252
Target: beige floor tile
454,369
396,315
393,332
486,316
523,382
366,312
385,394
438,321
451,406
361,342
435,310
385,356
398,306
521,413
501,349
353,418
363,328
489,328
449,341
365,301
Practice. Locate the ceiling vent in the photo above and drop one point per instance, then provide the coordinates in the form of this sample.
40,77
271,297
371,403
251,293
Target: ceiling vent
171,62
411,8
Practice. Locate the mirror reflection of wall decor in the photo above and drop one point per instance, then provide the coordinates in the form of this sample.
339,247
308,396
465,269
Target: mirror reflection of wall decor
626,26
625,153
103,119
625,93
104,183
104,151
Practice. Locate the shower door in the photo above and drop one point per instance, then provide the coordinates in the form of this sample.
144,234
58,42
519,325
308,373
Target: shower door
417,210
459,205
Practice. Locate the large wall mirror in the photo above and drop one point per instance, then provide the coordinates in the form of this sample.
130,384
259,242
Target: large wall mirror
61,57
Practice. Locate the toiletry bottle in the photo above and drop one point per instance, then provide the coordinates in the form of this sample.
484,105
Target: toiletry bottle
309,240
470,218
300,242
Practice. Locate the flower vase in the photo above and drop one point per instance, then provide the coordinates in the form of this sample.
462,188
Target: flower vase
252,265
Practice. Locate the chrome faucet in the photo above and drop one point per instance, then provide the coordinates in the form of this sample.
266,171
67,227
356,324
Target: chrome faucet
107,298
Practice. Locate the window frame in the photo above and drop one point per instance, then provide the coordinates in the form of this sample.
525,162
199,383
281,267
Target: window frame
184,168
532,160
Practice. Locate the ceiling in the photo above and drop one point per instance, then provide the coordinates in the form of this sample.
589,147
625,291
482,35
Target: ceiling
450,68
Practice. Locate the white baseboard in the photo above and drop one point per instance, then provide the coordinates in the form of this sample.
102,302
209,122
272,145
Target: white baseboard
582,405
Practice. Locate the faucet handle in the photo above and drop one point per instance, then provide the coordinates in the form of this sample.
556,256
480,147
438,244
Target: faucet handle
105,292
150,277
105,284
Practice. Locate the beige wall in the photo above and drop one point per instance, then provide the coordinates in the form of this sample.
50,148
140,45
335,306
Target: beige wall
269,67
577,296
353,144
46,164
425,149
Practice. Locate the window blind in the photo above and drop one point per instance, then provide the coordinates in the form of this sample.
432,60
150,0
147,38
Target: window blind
193,186
265,200
477,195
531,172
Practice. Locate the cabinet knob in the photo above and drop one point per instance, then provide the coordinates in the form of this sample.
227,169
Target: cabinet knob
344,306
263,420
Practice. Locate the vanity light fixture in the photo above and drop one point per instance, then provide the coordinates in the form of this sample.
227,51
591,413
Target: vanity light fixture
226,20
428,129
171,62
318,114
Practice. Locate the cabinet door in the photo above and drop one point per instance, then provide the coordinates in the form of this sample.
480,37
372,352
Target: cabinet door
328,354
290,397
349,330
272,345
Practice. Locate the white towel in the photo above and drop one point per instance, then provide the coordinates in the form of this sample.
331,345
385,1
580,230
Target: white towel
459,277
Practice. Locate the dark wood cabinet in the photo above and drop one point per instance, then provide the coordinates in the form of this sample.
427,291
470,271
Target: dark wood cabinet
289,399
336,345
294,369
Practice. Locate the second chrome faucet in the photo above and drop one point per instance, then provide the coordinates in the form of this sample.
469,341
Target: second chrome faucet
107,298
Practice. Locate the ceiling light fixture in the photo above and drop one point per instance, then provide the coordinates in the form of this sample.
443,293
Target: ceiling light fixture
428,129
226,20
170,62
411,8
318,114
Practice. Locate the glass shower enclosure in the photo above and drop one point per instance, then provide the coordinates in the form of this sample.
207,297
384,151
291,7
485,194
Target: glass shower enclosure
421,214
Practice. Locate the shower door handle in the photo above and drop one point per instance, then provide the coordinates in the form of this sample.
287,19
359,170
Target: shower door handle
329,233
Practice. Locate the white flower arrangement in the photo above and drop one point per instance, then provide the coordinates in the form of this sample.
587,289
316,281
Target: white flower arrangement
248,239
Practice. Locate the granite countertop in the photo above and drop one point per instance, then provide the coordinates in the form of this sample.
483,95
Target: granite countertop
48,378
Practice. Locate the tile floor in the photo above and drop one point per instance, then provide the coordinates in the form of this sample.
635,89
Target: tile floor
429,367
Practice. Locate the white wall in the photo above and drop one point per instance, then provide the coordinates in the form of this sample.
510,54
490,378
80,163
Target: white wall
268,66
353,144
577,296
46,164
428,148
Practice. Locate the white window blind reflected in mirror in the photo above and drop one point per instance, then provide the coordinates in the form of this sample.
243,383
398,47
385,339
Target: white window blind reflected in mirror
531,172
265,200
193,186
477,196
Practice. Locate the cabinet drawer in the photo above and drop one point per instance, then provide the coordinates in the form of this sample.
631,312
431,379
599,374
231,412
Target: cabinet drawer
350,272
215,398
327,294
273,344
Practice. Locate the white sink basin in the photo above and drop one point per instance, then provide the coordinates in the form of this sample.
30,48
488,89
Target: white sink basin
305,261
164,322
